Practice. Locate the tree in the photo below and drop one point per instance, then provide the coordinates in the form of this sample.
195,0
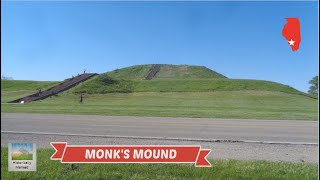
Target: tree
313,89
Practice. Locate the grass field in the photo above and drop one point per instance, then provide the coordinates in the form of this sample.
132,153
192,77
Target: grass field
221,169
23,157
176,91
18,85
220,104
14,89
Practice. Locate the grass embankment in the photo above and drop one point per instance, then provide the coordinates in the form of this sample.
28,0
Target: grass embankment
178,92
13,89
105,84
17,85
221,169
138,72
220,104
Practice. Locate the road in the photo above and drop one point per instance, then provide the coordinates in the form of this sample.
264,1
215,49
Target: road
287,140
160,127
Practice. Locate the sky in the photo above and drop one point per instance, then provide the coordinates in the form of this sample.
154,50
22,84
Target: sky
241,40
26,146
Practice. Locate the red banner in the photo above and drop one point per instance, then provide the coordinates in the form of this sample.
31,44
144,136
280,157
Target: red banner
130,154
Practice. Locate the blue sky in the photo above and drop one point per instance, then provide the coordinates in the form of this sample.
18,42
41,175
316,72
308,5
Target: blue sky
242,40
26,146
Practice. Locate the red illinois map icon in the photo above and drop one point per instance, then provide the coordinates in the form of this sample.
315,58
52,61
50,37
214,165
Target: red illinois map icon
291,31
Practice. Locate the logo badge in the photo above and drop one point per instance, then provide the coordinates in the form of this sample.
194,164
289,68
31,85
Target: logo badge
22,157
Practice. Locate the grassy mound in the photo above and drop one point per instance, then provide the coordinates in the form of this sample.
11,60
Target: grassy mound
105,84
207,85
132,72
179,97
174,78
170,78
166,71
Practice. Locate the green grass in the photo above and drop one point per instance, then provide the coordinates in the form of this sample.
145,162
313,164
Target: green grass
18,85
130,79
105,84
174,78
208,85
14,89
23,157
12,95
219,104
132,72
186,72
138,72
176,93
221,169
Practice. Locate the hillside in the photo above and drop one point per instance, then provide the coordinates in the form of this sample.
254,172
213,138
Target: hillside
18,85
13,89
170,78
104,84
174,78
184,96
166,71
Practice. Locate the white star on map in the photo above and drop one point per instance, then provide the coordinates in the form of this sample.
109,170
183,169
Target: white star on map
291,42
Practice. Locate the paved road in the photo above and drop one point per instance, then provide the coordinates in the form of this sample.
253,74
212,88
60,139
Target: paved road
295,141
279,131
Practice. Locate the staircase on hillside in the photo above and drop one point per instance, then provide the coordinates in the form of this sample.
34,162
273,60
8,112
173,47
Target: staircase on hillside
153,71
65,85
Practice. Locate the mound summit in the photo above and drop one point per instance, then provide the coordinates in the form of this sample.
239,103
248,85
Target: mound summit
173,78
166,71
